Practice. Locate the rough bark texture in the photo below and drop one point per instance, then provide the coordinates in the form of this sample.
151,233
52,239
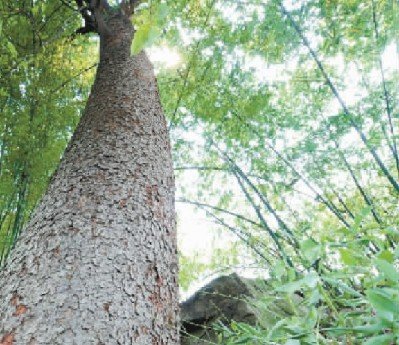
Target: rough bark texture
97,263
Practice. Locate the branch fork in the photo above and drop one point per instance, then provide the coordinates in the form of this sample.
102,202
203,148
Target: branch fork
94,13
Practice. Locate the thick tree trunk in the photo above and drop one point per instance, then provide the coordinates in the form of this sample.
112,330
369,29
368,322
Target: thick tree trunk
97,263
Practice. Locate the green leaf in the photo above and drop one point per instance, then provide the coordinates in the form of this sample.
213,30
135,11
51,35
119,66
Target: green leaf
140,38
387,269
310,280
384,305
35,10
314,297
391,231
370,329
386,255
290,287
12,50
359,217
162,12
347,257
3,92
279,269
292,342
150,28
243,340
339,283
310,249
144,36
384,339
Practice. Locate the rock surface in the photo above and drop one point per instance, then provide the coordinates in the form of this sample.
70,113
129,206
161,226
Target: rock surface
224,299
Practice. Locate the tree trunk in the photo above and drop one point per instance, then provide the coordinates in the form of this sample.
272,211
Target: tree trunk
97,263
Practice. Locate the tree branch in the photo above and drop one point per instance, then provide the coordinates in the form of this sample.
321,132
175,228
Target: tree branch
219,209
318,195
65,3
246,238
337,95
388,107
73,77
86,9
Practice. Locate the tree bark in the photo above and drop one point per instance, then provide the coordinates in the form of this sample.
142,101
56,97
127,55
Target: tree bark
97,263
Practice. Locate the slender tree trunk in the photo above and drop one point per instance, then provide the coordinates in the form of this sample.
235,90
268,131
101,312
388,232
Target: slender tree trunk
97,262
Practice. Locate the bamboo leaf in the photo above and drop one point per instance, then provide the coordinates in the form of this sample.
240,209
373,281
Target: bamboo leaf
384,305
384,339
387,269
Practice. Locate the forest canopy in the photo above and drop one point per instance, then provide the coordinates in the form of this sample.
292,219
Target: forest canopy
284,121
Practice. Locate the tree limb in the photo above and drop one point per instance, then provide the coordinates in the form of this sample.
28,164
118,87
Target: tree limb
337,95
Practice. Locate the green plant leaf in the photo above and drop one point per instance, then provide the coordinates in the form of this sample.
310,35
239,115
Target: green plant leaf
347,257
384,339
388,270
12,50
290,287
386,255
292,342
144,36
141,37
310,249
310,280
339,283
162,12
369,329
384,305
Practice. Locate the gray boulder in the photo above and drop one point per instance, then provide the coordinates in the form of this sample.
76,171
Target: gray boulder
222,300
